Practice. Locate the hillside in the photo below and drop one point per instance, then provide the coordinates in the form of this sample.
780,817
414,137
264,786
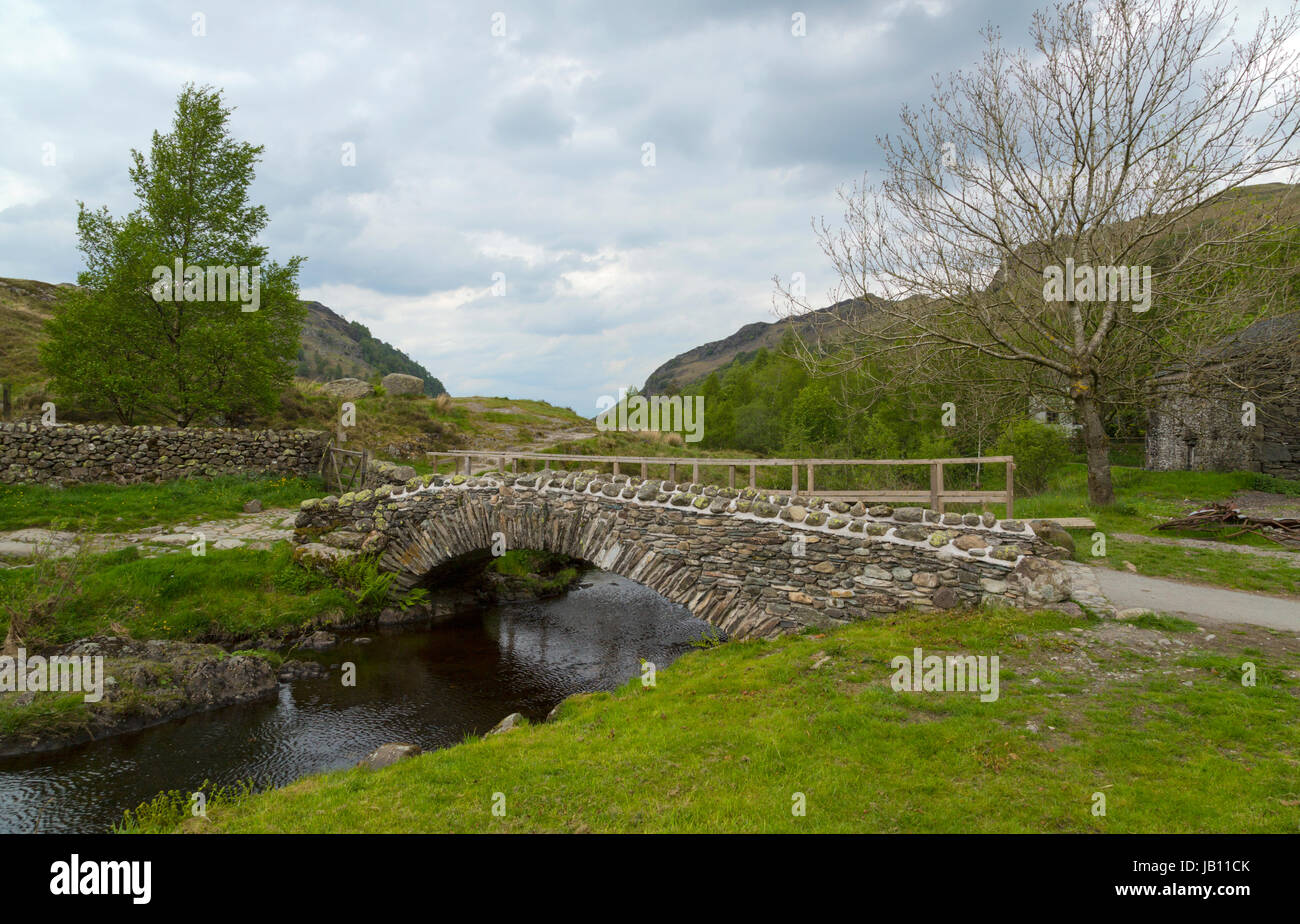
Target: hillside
695,365
332,346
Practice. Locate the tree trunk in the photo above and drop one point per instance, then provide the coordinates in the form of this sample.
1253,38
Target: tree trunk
1100,491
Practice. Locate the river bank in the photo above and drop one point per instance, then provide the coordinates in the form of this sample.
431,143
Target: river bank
806,734
431,684
234,657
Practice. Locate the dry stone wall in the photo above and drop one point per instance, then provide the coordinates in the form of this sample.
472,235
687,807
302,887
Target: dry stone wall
751,563
33,453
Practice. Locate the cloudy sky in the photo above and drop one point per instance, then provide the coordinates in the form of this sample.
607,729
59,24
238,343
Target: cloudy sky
476,154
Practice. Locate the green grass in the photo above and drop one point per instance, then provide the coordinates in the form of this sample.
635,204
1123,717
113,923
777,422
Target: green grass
730,734
542,573
1143,499
123,508
231,594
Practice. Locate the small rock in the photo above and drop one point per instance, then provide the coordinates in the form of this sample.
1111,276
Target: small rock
387,754
253,506
508,723
318,641
299,670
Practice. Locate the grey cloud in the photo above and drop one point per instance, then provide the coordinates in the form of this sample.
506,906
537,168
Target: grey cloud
478,154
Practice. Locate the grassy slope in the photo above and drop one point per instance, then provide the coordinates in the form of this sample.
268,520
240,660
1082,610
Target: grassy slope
24,306
232,594
122,508
730,734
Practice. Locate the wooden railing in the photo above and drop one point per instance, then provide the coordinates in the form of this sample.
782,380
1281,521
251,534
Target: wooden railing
936,496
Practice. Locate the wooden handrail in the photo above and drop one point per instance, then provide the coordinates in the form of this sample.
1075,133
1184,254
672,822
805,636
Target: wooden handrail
710,460
937,494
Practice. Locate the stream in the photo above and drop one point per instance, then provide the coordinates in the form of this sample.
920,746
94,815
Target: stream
429,685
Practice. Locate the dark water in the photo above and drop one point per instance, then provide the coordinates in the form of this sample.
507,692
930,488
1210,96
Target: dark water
429,686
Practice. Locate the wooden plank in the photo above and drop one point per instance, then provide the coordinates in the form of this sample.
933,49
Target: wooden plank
885,495
1072,522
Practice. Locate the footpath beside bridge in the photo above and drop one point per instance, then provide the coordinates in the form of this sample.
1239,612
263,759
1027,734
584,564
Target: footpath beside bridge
749,562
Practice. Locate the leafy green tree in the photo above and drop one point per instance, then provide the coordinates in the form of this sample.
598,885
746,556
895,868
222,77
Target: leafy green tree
1040,449
130,343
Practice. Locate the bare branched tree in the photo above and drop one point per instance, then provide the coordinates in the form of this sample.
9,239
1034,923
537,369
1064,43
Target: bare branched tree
1069,220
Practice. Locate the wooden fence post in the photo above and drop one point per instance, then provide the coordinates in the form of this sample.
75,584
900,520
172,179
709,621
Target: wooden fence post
645,471
695,472
811,487
794,479
731,476
1011,490
753,476
936,487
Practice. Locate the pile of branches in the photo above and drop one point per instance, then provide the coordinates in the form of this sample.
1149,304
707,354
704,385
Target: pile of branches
1222,516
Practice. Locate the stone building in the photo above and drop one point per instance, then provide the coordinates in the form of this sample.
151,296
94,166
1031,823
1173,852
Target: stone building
1253,427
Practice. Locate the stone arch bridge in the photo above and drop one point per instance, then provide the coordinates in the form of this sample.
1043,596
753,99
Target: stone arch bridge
748,562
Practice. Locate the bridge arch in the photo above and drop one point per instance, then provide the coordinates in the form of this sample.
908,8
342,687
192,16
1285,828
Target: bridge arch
751,564
474,522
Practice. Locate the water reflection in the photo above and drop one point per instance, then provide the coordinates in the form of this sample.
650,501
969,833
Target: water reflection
429,686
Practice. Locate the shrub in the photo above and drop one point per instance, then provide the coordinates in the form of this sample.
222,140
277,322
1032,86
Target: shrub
1040,449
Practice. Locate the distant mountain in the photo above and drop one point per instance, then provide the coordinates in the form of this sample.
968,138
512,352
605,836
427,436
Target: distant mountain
332,347
694,366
